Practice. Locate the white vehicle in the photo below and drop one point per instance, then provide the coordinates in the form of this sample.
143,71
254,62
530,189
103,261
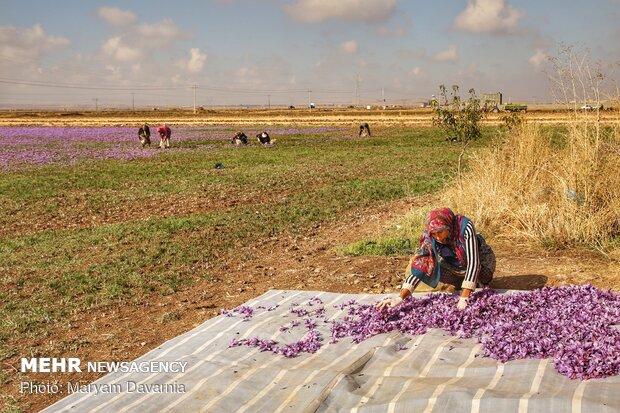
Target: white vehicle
587,107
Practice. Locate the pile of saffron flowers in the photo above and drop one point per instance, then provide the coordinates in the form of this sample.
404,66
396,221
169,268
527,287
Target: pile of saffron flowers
573,325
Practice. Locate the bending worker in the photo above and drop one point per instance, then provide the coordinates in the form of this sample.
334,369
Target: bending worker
164,136
144,134
451,252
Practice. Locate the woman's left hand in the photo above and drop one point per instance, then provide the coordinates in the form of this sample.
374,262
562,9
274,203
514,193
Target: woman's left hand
462,304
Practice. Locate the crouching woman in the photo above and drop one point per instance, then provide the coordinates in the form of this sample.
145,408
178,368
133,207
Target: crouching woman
451,252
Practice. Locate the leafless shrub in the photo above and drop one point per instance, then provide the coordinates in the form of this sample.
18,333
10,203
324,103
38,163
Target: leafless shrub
558,190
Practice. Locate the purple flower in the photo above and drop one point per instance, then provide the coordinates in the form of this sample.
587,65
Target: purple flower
572,325
29,145
246,311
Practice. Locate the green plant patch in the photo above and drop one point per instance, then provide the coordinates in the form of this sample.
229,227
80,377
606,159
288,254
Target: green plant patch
303,180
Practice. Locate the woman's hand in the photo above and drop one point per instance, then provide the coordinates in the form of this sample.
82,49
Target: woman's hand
389,303
464,300
462,304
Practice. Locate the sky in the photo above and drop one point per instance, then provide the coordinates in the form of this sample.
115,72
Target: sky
290,52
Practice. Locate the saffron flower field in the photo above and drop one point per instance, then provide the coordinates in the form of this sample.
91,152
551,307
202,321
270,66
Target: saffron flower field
573,325
132,246
92,222
25,146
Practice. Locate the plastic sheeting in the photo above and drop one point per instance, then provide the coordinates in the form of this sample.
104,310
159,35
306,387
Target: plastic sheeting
434,372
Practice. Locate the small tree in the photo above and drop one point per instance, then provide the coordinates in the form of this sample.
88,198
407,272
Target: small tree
459,120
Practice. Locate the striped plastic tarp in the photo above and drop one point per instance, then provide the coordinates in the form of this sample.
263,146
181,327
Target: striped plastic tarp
434,372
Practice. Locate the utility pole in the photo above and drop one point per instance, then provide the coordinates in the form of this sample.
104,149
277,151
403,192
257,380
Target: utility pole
269,101
383,96
357,90
96,104
194,87
133,101
309,105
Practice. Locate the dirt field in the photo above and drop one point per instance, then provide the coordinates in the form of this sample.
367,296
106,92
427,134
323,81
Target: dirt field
305,263
308,262
300,117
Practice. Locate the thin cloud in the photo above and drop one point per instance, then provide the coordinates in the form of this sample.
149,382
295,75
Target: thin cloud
399,29
317,11
134,43
451,54
349,47
538,58
196,61
489,16
121,52
249,76
163,32
115,16
419,53
27,45
113,73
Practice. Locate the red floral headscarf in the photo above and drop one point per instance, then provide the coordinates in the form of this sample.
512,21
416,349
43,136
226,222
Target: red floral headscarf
424,263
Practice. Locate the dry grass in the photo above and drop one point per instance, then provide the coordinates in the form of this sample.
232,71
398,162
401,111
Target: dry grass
556,187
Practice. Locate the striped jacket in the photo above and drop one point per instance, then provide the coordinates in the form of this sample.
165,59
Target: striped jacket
472,268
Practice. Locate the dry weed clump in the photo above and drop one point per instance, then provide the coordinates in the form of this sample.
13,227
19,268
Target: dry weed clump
556,192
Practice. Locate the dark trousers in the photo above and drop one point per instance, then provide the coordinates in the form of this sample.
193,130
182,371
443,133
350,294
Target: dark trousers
455,275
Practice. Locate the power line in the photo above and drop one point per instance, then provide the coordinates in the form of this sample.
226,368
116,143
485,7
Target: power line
132,88
36,83
77,86
180,91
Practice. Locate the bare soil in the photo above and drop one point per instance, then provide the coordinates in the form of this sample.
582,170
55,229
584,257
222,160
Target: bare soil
298,117
125,331
308,262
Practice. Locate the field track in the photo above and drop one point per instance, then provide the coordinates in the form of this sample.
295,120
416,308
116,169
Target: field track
299,117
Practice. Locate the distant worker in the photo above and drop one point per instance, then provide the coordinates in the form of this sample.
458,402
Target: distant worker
240,139
164,136
364,130
144,134
263,138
